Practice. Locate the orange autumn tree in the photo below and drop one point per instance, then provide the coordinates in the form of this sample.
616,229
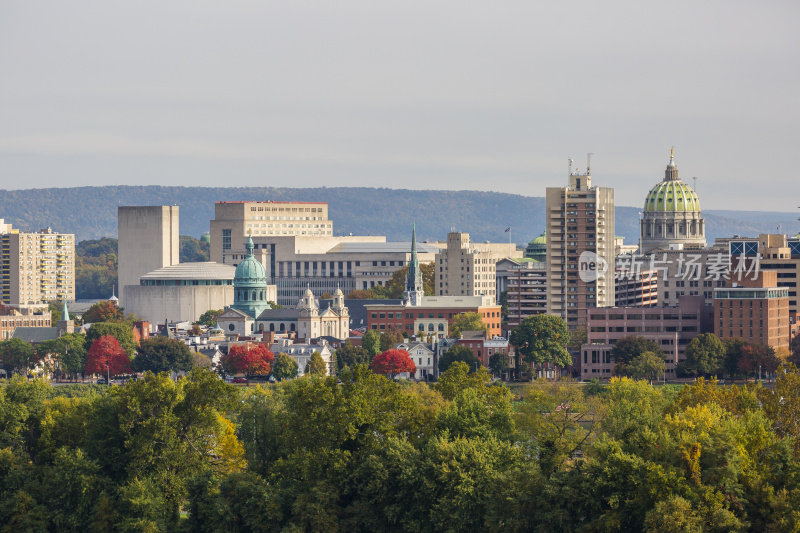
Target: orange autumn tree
393,362
106,356
249,359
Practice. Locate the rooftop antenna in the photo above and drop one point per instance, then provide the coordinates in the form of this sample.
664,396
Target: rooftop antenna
589,163
570,165
694,180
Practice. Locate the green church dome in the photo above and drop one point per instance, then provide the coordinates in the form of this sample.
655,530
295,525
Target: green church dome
250,272
674,196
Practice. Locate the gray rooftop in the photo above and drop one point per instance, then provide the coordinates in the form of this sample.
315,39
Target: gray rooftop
381,248
203,270
35,335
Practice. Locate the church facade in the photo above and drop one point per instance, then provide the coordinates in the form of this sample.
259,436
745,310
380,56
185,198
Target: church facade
252,315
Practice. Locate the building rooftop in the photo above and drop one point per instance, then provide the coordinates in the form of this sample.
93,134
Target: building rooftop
436,302
381,247
203,270
266,202
35,335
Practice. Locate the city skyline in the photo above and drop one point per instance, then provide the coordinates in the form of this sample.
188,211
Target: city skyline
413,96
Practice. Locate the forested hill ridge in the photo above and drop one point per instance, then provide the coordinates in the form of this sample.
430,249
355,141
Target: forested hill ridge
91,212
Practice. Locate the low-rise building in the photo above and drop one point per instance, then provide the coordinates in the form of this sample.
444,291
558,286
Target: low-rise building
483,346
12,318
671,327
464,268
301,352
424,357
183,292
755,309
433,315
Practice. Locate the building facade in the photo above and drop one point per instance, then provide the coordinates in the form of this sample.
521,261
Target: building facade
671,327
183,292
468,269
580,248
24,317
434,315
755,309
524,283
36,267
147,240
236,220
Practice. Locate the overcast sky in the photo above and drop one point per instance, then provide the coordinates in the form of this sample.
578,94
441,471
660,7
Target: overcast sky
412,94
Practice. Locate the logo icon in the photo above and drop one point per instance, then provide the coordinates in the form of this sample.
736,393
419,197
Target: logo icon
591,267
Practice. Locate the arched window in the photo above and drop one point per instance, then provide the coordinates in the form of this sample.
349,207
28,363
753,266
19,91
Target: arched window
291,327
262,296
441,327
430,327
254,296
261,327
272,326
283,326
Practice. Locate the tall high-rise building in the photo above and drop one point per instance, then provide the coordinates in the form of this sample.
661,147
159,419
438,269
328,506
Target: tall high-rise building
580,248
36,267
464,268
148,240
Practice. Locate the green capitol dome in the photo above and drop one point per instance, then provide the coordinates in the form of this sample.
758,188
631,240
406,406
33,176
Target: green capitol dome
672,196
537,248
672,218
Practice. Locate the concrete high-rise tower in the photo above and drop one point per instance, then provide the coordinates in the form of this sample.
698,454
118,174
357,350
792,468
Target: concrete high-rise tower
148,240
580,248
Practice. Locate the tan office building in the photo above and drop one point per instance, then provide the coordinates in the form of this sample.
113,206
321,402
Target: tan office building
36,267
580,248
235,220
469,269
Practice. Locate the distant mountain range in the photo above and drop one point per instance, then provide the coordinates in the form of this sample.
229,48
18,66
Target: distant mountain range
91,212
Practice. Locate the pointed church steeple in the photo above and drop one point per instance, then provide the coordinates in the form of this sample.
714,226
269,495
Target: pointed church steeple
65,312
414,288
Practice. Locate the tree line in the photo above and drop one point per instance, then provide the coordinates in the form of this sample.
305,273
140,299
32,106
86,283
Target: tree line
360,452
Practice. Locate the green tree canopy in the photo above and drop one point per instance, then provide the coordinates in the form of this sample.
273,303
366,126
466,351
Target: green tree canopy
459,352
17,355
284,367
349,355
70,352
498,363
162,354
647,365
705,354
371,342
466,322
316,365
628,348
542,339
209,318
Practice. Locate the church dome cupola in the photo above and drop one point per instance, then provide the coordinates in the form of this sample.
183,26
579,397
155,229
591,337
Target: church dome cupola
250,284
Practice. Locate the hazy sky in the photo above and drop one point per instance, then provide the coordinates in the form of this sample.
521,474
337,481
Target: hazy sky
412,94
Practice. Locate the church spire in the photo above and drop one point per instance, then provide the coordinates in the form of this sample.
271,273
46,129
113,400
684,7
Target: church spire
414,289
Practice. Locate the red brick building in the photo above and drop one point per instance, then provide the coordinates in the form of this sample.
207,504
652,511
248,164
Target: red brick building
753,308
434,316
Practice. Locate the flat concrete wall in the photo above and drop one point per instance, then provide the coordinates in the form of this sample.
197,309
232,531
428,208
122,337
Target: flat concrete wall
176,303
148,239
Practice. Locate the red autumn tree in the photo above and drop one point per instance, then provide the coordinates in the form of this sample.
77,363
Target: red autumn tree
248,359
393,362
106,356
